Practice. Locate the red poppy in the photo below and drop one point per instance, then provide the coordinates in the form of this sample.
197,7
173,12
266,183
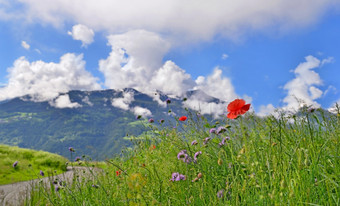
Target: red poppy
152,147
118,172
237,107
182,118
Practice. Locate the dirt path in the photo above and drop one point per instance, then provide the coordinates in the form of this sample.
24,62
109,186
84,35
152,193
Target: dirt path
16,193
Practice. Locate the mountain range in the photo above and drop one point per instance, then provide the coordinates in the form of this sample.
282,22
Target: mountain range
93,126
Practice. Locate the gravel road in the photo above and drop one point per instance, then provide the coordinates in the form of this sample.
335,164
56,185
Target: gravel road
16,193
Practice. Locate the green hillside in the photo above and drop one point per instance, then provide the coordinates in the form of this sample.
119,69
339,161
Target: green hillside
18,164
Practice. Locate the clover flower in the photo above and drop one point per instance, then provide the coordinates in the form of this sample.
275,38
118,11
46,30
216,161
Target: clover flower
177,177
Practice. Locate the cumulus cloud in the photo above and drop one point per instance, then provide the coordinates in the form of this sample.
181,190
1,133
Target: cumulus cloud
86,100
124,102
216,85
301,90
25,45
82,33
63,101
45,81
136,62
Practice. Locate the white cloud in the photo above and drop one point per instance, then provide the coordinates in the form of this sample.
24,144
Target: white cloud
171,79
63,101
44,81
266,110
216,85
205,107
301,90
25,45
182,20
86,100
141,111
225,56
82,33
124,102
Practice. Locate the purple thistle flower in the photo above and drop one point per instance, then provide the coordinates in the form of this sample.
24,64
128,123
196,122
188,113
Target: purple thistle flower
177,177
221,130
71,149
15,164
220,193
194,142
212,130
224,141
206,140
197,154
182,155
77,159
161,121
42,173
151,120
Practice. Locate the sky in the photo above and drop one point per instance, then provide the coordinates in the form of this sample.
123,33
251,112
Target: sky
272,53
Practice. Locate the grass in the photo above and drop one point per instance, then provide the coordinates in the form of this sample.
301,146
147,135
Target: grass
29,164
290,160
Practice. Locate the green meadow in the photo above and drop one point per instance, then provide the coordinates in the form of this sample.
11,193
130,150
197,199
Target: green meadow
28,165
283,160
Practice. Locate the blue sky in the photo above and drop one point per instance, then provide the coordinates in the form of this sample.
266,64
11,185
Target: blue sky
268,54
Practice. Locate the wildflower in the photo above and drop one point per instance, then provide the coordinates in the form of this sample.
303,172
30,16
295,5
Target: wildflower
196,155
161,121
220,193
219,162
42,173
182,118
168,101
15,164
194,142
57,188
138,116
152,147
237,107
206,140
212,130
182,155
199,175
77,159
71,149
177,177
151,120
221,130
95,186
223,141
118,172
